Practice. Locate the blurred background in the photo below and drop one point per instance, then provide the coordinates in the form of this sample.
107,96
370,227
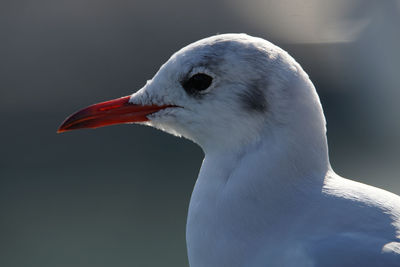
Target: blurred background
118,196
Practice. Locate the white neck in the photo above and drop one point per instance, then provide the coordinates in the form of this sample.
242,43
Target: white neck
244,193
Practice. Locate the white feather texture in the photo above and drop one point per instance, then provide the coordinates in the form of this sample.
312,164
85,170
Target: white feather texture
266,194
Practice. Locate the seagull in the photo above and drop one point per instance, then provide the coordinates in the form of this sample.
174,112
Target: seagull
266,194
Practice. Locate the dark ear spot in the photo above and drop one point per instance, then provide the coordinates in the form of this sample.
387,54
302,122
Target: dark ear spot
253,98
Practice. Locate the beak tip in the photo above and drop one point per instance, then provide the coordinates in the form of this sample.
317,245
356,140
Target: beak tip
64,127
61,129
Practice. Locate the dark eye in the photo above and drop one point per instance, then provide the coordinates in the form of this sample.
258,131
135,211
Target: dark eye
197,83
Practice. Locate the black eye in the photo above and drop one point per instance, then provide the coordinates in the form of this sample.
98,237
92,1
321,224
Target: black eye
197,83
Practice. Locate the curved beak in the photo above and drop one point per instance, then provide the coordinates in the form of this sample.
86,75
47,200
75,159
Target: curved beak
116,111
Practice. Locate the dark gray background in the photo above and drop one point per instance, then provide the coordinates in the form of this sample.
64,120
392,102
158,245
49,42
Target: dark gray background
118,196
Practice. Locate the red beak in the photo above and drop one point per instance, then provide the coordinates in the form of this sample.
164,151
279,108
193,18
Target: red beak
111,112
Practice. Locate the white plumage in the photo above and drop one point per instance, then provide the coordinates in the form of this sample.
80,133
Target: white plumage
266,194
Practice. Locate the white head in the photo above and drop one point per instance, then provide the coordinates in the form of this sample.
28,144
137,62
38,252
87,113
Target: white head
232,89
226,91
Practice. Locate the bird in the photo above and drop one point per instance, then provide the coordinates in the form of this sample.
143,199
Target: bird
266,194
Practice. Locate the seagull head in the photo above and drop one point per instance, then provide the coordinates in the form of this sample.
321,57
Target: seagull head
220,92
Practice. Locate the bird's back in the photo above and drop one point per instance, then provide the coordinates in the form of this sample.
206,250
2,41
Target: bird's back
359,225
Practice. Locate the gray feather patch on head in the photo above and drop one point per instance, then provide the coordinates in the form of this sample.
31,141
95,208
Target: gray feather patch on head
211,61
253,98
